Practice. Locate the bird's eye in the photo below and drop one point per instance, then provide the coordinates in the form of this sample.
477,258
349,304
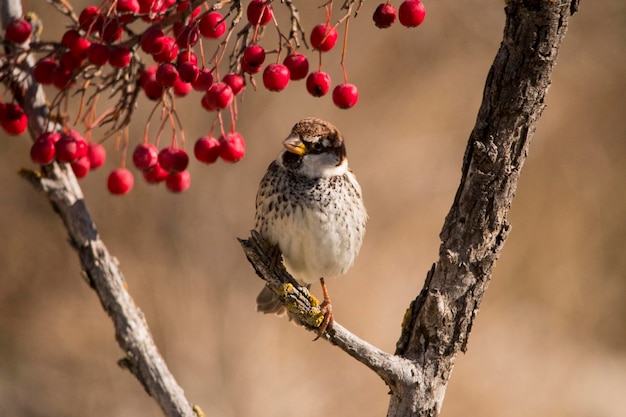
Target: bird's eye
317,147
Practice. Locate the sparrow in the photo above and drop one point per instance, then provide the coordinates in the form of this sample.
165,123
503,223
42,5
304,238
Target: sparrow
309,204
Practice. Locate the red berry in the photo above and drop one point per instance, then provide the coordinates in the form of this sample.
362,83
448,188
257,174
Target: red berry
127,9
152,40
188,72
252,59
186,36
90,19
70,147
147,74
173,159
324,37
249,69
43,70
207,149
211,25
169,52
145,156
61,77
186,56
112,31
166,75
235,82
178,182
53,137
181,88
186,4
69,62
149,84
298,66
97,155
411,13
79,48
232,147
203,81
98,54
18,30
119,56
219,95
318,83
13,119
42,151
120,181
69,37
155,174
345,96
204,102
276,77
81,166
384,15
259,12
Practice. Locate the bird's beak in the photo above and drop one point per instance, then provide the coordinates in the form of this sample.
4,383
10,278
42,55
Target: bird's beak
293,144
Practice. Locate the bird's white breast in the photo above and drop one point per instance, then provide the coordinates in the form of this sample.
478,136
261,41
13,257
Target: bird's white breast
321,230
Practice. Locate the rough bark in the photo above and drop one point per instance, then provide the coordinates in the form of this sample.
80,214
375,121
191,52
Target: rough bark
440,319
438,322
58,183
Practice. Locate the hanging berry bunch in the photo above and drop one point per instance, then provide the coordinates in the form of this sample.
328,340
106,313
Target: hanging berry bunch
165,50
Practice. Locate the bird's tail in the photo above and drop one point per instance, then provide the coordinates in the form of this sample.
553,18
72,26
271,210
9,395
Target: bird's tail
267,302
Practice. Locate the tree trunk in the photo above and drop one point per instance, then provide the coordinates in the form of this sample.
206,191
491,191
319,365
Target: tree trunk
439,320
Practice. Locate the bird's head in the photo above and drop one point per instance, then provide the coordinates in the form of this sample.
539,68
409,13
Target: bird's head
314,148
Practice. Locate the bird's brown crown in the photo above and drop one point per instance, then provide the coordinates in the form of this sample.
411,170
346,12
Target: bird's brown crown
319,136
313,127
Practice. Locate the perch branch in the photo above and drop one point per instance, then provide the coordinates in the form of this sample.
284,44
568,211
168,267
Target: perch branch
59,185
305,307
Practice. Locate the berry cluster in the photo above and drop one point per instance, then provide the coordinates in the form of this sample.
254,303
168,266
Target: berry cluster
70,147
165,50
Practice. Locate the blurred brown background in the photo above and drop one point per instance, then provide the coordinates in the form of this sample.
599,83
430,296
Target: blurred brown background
550,339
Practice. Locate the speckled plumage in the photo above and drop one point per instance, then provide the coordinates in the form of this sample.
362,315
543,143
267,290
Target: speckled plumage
309,204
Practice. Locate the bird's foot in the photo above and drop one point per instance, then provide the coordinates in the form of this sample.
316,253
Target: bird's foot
326,308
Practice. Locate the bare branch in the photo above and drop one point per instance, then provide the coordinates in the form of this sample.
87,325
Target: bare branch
295,32
301,303
59,185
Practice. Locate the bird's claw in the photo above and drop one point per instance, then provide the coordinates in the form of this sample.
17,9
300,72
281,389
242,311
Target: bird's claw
326,308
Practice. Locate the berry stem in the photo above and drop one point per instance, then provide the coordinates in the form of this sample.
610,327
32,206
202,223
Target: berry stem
319,66
125,143
343,52
329,8
233,115
219,116
223,45
81,103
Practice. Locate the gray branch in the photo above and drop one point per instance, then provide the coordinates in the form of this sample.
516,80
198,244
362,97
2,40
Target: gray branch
438,322
59,185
